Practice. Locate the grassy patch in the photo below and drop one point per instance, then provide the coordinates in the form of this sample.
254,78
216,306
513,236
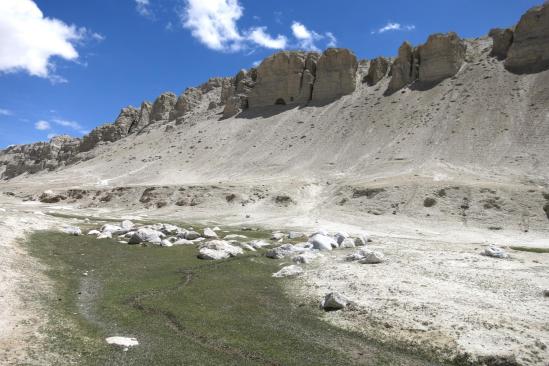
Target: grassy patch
186,311
531,249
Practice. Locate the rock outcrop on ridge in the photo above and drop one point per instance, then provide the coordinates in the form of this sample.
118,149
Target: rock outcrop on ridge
529,51
295,78
440,58
335,74
284,78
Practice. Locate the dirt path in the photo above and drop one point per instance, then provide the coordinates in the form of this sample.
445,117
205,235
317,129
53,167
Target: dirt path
22,284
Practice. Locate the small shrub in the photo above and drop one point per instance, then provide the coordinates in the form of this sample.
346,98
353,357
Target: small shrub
429,202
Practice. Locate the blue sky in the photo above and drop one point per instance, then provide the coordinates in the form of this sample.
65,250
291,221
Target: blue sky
69,66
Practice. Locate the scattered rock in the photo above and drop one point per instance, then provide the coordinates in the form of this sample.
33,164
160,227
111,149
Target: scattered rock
124,342
289,271
284,250
495,252
258,244
277,235
218,249
340,236
192,235
145,235
72,230
94,232
347,243
209,233
234,236
334,301
305,258
372,257
183,242
322,242
105,235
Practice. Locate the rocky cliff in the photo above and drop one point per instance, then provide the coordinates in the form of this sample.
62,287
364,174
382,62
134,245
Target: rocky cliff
298,78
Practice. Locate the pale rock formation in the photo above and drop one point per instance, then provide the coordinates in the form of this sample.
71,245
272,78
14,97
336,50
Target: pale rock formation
336,72
403,70
378,70
441,57
495,252
219,249
502,40
322,242
286,77
186,102
529,52
145,235
163,106
283,251
209,233
143,119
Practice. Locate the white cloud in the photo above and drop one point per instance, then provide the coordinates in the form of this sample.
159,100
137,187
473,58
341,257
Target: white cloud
390,26
213,22
5,112
260,37
143,7
28,40
307,38
42,125
70,124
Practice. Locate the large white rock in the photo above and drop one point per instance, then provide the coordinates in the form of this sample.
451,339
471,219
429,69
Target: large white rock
219,249
295,235
183,242
334,301
234,237
192,235
125,342
495,252
372,257
105,235
347,243
340,236
145,235
277,235
323,243
127,225
258,244
289,271
113,229
94,232
72,230
166,243
209,233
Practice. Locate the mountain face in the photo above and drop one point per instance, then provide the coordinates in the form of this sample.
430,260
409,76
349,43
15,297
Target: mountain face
450,118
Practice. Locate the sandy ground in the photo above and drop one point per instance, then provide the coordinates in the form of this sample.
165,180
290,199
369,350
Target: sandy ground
22,284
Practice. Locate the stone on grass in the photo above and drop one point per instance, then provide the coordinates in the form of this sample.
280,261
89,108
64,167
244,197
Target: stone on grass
166,243
289,271
218,249
209,233
305,258
145,235
94,232
72,230
234,236
283,251
277,236
495,252
124,342
113,229
258,244
183,242
192,235
105,235
334,301
127,225
322,242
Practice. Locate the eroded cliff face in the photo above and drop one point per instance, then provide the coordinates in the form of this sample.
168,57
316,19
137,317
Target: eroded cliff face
293,78
529,50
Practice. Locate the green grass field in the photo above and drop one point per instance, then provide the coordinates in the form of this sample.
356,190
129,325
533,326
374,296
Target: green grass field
186,311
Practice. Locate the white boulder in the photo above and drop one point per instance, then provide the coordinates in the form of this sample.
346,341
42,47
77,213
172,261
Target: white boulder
209,233
334,301
284,250
289,271
72,230
145,235
305,258
495,252
94,232
323,242
219,249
